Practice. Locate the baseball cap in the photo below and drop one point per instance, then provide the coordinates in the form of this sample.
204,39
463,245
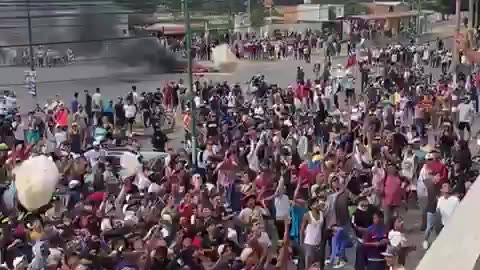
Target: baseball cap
391,251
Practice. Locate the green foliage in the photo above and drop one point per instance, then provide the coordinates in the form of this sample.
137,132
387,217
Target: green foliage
258,16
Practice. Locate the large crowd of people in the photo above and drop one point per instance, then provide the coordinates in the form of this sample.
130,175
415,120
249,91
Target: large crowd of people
285,177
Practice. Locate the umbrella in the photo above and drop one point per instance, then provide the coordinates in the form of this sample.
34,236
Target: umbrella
36,180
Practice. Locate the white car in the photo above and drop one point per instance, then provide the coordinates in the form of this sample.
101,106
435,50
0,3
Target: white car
115,156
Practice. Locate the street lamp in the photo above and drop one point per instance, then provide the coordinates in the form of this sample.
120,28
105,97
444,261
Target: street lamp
31,75
188,43
30,41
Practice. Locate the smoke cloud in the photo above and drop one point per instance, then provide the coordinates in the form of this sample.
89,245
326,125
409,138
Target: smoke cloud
85,25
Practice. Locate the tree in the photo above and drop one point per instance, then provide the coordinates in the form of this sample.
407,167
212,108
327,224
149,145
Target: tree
259,13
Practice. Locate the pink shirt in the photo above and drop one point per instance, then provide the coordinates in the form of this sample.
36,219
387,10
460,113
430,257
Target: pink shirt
378,176
392,191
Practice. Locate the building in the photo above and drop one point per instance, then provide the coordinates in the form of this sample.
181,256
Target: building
300,17
386,7
388,17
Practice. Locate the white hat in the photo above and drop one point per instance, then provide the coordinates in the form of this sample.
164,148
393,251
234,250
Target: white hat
221,249
73,184
167,218
246,252
232,235
19,261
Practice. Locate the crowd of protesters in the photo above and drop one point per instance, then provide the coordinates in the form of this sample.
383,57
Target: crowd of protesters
285,177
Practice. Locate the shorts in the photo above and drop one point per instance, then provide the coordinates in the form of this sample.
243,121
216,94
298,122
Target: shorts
19,142
464,125
131,120
349,92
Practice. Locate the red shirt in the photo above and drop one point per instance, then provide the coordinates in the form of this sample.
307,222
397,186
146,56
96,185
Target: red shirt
299,92
392,191
438,168
185,210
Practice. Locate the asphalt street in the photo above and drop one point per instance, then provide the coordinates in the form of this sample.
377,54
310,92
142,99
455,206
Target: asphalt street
115,81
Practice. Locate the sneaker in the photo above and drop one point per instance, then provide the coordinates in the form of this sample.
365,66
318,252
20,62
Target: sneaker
340,264
425,245
327,262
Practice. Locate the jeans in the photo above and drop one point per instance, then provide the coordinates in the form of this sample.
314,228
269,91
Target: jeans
420,126
431,219
340,242
422,203
388,211
360,257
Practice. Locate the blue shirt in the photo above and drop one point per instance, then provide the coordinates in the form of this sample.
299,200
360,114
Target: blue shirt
376,233
108,108
74,105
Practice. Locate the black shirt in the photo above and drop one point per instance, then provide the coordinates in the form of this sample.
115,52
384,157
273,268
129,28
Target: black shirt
212,128
119,111
363,218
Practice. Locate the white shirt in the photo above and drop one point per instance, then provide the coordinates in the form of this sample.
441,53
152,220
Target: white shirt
202,159
465,112
446,207
93,155
60,137
282,206
96,102
397,239
19,131
130,110
135,97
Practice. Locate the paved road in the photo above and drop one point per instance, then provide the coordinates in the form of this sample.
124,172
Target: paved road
116,82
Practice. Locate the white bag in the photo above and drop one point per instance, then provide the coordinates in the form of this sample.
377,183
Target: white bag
35,180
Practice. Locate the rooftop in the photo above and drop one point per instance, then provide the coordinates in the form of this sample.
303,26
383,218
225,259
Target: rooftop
390,15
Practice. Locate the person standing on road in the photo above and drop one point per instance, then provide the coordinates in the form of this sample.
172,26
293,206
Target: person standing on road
19,129
446,205
130,113
375,242
74,103
97,107
311,231
119,112
88,107
465,118
392,193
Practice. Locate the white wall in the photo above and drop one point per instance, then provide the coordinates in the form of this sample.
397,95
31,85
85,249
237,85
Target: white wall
299,27
308,13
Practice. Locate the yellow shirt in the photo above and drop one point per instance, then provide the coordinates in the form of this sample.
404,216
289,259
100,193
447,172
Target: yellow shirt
35,235
396,98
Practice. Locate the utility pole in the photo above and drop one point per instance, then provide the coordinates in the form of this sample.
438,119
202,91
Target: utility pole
471,23
419,16
30,75
30,38
188,43
456,51
249,12
471,11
